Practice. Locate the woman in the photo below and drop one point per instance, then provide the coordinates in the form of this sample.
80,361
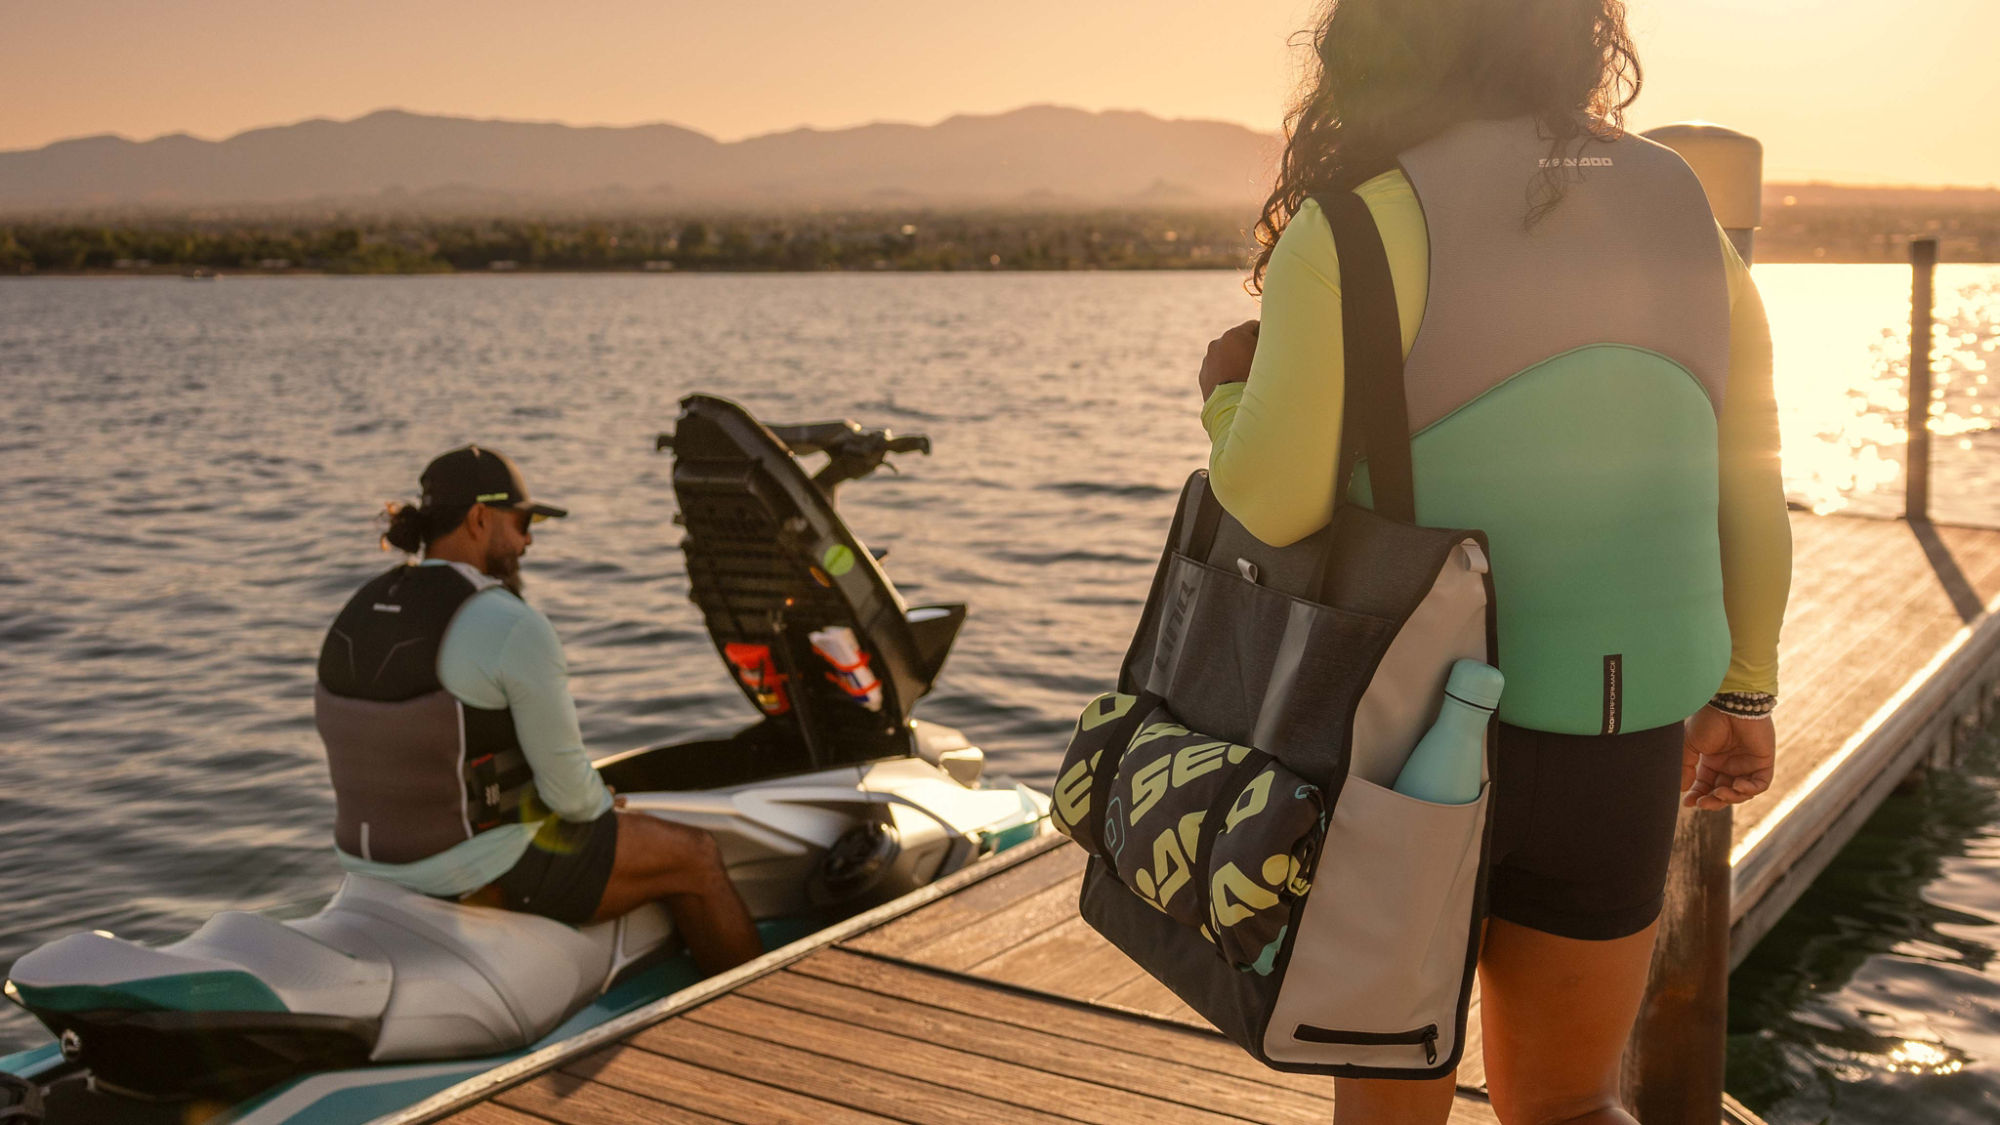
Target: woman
1589,382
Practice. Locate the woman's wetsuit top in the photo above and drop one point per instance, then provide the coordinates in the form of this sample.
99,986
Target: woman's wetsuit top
1275,438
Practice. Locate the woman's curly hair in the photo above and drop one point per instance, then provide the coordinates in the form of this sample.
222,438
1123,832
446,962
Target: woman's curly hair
1388,75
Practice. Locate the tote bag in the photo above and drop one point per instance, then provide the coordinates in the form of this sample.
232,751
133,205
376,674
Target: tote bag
1246,848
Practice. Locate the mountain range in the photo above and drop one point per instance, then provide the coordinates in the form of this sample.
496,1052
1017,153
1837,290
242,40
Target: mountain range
1044,156
392,161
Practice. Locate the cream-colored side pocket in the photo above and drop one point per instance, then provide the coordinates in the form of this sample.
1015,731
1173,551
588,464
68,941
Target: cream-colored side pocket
1378,966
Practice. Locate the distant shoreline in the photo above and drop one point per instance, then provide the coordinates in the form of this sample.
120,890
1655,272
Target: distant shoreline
724,271
1796,230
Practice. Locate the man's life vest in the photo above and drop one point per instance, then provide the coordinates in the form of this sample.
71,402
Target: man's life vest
415,769
1564,394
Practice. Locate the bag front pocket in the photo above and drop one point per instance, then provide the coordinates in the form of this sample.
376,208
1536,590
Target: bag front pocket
1254,665
1378,970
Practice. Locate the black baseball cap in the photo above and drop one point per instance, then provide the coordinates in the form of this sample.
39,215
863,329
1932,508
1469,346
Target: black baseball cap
477,475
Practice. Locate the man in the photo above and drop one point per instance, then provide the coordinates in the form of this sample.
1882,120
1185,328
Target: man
458,769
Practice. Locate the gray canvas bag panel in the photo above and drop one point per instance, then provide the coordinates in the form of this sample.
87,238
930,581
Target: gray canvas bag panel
1303,652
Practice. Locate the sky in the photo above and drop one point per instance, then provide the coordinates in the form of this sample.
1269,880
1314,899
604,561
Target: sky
1850,91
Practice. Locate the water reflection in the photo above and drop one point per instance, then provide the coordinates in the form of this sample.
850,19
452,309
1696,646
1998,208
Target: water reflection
1842,343
1880,990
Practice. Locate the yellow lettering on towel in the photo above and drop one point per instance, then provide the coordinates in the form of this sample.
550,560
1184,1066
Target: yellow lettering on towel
1191,762
1251,801
1149,785
1103,709
1073,792
1170,871
1156,732
1234,896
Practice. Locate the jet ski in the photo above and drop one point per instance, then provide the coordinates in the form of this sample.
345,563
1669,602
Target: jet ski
834,801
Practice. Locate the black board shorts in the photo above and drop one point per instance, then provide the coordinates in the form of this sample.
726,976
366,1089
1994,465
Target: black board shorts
1583,826
563,873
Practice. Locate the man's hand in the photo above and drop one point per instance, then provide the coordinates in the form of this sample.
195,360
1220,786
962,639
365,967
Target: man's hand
617,802
1229,357
1727,759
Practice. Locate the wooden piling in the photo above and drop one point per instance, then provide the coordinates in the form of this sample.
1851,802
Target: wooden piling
1674,1065
1917,470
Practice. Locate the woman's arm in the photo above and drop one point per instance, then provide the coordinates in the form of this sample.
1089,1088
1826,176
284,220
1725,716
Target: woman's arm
1274,439
1755,529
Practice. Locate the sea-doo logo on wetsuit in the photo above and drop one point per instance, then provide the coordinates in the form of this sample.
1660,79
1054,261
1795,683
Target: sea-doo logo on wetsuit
1576,162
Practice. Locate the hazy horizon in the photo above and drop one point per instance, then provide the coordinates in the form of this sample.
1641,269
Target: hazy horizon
1770,181
1840,91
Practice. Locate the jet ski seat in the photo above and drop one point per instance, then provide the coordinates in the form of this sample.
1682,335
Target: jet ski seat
380,974
236,962
470,980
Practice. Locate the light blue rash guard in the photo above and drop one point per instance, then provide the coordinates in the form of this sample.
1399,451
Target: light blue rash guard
500,652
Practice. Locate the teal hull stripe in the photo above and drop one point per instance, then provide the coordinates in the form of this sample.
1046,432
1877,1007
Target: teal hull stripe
29,1063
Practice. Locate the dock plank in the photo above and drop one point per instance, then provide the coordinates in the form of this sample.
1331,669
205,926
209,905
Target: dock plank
1020,921
725,1097
486,1113
1161,1074
980,1068
1878,601
1069,959
1144,994
829,1077
972,905
1202,1048
578,1101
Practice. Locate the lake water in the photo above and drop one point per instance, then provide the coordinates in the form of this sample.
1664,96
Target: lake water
194,471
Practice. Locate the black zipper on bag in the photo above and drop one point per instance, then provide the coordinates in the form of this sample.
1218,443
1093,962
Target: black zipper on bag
1427,1038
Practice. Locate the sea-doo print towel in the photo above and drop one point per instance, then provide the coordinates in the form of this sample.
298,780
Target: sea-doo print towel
1186,814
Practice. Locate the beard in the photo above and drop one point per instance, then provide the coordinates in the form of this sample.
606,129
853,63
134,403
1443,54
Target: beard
506,566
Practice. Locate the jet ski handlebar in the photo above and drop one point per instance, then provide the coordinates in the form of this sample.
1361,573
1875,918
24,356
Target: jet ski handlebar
852,451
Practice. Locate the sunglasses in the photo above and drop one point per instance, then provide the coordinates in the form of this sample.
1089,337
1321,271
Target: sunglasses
526,517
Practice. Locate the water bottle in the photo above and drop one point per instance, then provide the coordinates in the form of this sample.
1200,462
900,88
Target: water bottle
1447,765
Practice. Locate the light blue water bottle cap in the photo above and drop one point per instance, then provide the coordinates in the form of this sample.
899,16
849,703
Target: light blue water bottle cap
1476,683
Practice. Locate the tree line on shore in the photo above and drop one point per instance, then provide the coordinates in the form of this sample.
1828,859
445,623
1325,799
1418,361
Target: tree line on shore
867,241
879,240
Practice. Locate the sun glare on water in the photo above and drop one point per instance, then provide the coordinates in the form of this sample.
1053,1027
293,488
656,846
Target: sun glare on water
1915,1057
1841,336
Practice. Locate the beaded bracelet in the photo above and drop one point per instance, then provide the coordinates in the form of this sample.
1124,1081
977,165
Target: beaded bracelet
1747,704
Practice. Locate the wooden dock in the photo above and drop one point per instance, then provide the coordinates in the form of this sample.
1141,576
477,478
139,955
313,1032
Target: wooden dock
1890,660
985,998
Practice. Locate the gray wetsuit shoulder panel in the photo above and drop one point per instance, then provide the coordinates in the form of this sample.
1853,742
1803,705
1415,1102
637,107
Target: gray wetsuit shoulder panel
1505,296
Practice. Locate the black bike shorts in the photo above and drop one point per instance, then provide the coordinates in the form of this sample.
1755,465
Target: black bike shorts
563,873
1583,826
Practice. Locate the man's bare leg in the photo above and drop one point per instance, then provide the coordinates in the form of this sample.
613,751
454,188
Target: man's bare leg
658,860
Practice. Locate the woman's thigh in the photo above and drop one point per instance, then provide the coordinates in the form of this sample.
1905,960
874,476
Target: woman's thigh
1384,1101
1555,1013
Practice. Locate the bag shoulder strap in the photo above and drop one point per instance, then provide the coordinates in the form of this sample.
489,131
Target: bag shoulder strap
1376,418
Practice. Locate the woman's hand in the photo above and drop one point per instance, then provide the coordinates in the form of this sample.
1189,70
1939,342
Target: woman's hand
1229,357
1727,759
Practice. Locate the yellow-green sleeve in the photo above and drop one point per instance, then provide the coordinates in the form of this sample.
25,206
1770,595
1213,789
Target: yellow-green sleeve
1274,439
1756,530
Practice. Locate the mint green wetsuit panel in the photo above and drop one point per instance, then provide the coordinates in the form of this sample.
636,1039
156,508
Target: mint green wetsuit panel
1593,475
